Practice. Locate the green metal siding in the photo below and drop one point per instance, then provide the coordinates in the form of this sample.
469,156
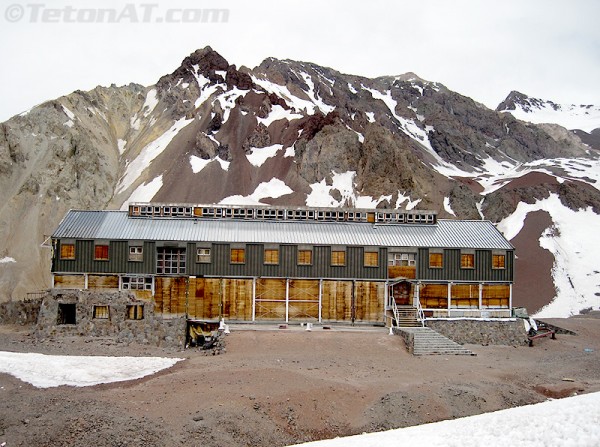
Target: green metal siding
452,271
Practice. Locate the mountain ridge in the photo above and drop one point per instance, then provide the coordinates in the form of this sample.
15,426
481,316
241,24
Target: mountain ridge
284,132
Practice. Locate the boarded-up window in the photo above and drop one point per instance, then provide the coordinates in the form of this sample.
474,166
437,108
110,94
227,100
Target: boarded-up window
467,261
67,251
101,252
433,296
498,261
170,260
371,259
136,253
271,256
101,313
465,296
238,255
338,258
436,260
304,257
134,312
495,296
203,255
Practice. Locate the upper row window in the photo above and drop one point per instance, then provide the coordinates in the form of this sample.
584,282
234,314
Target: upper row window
67,251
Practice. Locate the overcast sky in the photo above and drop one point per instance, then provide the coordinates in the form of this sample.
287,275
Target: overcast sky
479,48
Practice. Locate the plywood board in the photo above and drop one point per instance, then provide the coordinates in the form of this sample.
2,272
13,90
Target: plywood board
401,271
170,296
69,281
103,282
336,301
204,300
495,295
369,301
465,296
433,296
237,299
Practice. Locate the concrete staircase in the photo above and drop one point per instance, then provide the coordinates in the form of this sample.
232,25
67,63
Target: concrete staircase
426,341
406,316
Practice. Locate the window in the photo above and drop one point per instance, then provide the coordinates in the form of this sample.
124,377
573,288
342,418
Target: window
101,313
467,261
67,251
134,312
136,283
338,257
170,260
203,255
101,253
66,313
371,259
304,257
238,255
136,253
436,260
402,259
498,261
271,256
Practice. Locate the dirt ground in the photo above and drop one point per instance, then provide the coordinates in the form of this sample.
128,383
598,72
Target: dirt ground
283,386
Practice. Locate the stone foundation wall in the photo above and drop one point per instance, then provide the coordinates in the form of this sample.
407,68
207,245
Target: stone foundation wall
20,312
151,329
509,332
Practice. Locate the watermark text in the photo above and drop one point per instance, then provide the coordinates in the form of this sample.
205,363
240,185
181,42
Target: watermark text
128,13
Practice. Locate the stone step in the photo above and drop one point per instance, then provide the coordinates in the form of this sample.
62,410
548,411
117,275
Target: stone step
426,341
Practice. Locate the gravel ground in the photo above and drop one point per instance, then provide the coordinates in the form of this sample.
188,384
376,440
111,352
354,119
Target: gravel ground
283,386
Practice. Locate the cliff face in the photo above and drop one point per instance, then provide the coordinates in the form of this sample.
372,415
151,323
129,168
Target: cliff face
285,132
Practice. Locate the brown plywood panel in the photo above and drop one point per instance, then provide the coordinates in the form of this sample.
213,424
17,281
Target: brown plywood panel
401,271
69,281
170,296
204,301
144,295
103,282
303,310
270,310
304,290
270,299
336,301
369,301
495,295
237,299
465,296
433,296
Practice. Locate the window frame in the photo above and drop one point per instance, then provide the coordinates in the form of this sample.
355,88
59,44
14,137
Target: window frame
173,262
203,258
301,253
103,247
497,257
368,254
335,254
236,259
436,254
64,245
136,282
467,265
271,256
133,255
136,309
101,312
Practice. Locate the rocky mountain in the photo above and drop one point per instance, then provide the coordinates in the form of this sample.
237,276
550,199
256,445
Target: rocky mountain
287,132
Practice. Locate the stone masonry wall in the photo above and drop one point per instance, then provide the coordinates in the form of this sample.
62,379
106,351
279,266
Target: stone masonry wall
20,312
482,332
152,329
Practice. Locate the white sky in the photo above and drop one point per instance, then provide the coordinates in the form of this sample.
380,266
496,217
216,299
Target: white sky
483,49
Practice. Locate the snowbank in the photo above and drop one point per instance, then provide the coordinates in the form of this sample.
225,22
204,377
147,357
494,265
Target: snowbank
574,421
46,371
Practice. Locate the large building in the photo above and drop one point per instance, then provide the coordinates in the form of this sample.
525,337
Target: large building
278,264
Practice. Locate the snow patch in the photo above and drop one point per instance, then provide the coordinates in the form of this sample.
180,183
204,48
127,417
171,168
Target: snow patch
320,195
274,188
370,117
145,192
148,154
7,260
47,371
121,145
258,156
447,206
70,114
562,422
278,113
574,243
150,103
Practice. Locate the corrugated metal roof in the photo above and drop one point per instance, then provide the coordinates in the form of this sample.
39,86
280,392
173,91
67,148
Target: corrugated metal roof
117,225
